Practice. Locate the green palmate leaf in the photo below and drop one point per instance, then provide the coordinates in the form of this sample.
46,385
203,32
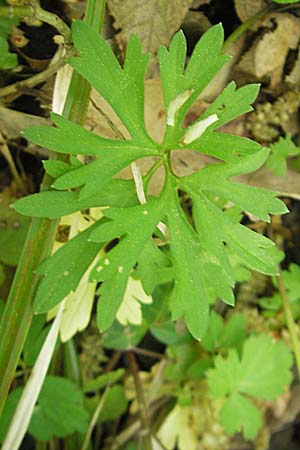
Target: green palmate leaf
280,151
63,271
262,372
59,411
194,262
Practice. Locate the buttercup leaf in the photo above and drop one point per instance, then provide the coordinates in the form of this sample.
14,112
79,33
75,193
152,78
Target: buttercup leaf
263,372
155,242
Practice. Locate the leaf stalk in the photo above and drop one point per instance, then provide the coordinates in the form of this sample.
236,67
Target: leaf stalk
134,369
289,320
18,312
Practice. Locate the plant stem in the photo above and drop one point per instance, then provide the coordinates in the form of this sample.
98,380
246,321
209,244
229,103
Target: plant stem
23,12
149,353
18,312
94,419
71,365
134,369
251,21
134,428
9,159
32,12
57,62
244,27
289,320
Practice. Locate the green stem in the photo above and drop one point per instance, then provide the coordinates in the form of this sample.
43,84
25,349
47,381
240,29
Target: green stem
244,27
18,310
94,419
23,12
9,159
57,62
53,20
134,369
252,20
289,320
150,172
33,11
72,370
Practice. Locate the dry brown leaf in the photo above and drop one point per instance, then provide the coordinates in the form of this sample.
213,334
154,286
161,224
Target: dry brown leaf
195,23
267,56
287,186
13,122
248,8
294,77
197,3
154,21
154,114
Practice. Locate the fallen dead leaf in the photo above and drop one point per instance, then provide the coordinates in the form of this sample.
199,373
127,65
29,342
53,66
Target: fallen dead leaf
197,3
154,21
248,8
154,114
13,122
294,77
267,56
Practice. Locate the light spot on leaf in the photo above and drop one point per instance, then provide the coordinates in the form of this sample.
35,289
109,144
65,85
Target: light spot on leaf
176,104
197,129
